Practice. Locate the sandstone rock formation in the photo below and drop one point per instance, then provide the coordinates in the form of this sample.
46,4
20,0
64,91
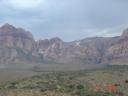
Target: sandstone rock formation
18,46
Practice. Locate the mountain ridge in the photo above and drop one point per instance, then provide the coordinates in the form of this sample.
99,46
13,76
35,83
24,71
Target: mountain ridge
19,46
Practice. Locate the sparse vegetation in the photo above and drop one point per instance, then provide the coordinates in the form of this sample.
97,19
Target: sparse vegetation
98,82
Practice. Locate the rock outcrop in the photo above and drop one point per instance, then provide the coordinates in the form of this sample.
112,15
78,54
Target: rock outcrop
18,46
15,44
118,52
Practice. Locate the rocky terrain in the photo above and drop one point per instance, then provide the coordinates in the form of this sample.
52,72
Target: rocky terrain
18,46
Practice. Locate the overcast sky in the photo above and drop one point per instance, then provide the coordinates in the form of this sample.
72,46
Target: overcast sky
67,19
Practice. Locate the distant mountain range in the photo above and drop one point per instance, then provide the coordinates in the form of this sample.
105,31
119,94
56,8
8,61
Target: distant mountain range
18,46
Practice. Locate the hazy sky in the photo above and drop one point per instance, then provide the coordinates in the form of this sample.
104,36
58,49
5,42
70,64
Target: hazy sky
67,19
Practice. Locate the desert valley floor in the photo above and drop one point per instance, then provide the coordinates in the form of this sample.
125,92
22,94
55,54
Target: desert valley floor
96,81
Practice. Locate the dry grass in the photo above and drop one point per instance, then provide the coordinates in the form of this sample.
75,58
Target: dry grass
32,93
71,83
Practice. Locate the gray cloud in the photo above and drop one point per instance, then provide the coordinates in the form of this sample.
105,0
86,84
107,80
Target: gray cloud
68,19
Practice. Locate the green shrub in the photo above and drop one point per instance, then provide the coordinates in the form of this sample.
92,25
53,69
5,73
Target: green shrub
126,81
79,87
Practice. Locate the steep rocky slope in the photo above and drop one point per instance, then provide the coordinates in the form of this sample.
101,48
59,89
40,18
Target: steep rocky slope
18,46
118,52
84,51
15,44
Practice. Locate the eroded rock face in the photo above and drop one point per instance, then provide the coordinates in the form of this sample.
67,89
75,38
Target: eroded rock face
16,37
119,50
16,44
124,34
19,46
87,51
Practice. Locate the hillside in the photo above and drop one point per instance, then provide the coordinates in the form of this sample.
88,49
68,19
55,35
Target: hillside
19,46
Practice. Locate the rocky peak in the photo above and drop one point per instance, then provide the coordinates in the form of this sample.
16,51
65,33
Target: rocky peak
16,37
55,40
47,43
7,25
7,28
125,33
